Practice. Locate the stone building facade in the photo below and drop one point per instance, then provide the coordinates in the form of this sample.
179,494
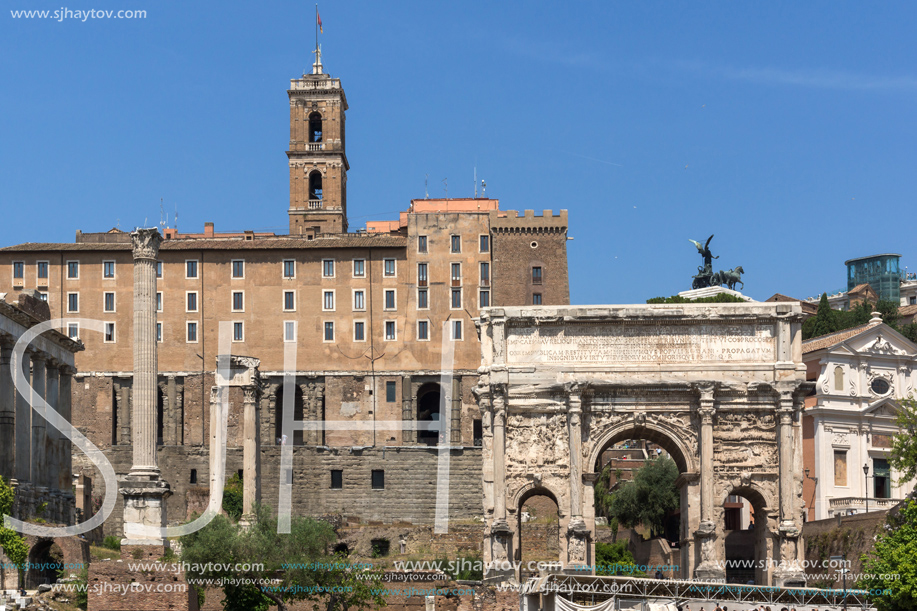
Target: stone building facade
370,314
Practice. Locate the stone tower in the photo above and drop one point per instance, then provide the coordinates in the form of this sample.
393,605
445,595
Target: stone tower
317,157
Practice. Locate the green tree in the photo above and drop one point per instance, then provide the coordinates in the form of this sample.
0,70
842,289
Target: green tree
892,563
903,457
647,498
718,298
232,497
824,322
298,565
13,544
614,559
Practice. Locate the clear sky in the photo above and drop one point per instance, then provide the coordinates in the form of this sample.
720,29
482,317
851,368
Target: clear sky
785,129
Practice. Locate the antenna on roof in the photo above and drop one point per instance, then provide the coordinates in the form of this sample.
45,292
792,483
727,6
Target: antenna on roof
483,186
175,218
426,193
162,220
475,180
446,187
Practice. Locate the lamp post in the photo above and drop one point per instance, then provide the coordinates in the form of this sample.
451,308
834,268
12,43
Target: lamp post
866,484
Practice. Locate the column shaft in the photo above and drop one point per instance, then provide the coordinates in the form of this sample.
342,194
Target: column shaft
250,451
785,431
7,412
38,455
576,450
51,468
66,411
499,399
24,424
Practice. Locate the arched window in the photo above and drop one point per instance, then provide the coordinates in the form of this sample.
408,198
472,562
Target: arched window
315,127
838,378
315,185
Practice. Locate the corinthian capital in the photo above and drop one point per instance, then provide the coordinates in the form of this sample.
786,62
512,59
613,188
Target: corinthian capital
145,243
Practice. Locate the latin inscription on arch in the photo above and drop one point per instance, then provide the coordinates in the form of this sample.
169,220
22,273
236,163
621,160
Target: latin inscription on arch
641,343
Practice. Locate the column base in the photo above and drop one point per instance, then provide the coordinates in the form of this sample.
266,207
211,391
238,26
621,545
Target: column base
144,511
710,572
793,577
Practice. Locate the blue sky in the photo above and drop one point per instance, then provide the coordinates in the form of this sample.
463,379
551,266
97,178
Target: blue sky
785,129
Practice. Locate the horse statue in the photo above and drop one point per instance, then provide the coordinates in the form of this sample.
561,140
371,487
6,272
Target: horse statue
730,278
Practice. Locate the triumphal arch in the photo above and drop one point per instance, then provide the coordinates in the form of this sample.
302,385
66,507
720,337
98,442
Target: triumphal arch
719,386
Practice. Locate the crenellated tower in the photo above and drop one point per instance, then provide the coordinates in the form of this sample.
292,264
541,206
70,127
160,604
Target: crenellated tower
317,157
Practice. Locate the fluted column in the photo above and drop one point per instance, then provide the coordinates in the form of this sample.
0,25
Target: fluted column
706,533
577,531
145,244
39,424
7,411
51,468
24,423
789,572
499,399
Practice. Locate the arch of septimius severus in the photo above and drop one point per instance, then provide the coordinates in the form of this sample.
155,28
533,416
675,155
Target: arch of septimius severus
719,386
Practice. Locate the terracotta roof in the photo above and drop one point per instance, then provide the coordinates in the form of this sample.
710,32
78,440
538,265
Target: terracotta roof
832,339
279,243
908,310
807,307
861,287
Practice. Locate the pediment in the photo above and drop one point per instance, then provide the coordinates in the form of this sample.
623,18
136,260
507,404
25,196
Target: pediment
883,408
880,341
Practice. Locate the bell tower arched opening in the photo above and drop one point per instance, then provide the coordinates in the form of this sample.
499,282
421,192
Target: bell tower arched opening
315,127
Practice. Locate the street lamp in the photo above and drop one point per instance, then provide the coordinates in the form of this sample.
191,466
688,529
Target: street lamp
866,484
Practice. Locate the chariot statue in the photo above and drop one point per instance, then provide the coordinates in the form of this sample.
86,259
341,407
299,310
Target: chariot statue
707,277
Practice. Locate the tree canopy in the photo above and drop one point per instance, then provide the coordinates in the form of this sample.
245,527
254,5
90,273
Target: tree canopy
891,566
288,567
645,500
13,544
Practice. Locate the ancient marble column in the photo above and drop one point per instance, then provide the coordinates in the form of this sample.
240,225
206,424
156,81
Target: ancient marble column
7,411
577,531
39,424
251,455
789,572
499,401
145,244
65,409
143,491
707,530
24,424
52,464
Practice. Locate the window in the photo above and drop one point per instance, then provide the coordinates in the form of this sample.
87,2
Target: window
73,330
456,243
328,300
390,299
109,302
485,274
456,299
536,275
456,274
191,268
359,268
359,300
108,269
484,299
238,332
840,467
43,269
289,268
838,378
378,479
109,332
421,274
536,298
456,330
18,269
421,243
191,336
159,269
289,301
359,331
423,330
388,268
882,478
484,243
238,268
389,330
73,270
329,331
337,479
159,302
191,301
238,301
43,296
159,332
390,392
289,331
477,433
73,302
193,476
423,302
328,268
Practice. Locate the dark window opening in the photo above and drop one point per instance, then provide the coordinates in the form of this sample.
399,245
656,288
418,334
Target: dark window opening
477,433
337,479
315,185
241,473
380,547
428,399
193,476
315,127
160,416
536,275
378,480
882,480
390,392
297,417
342,549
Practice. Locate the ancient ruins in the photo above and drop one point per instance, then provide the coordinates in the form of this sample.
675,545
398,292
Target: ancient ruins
719,387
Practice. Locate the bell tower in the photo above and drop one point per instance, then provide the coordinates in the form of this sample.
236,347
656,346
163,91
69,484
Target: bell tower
318,162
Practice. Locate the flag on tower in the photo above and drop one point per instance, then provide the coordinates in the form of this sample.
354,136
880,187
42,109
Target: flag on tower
319,18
